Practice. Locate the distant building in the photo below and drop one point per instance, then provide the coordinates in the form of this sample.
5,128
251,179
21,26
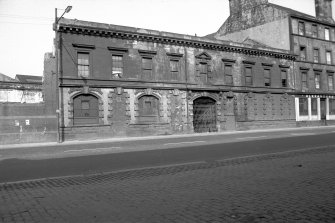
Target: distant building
27,109
310,38
124,81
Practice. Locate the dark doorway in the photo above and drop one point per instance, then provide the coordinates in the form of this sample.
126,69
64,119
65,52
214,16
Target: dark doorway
204,115
323,108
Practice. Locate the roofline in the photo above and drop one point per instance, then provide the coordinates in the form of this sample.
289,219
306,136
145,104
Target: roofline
123,32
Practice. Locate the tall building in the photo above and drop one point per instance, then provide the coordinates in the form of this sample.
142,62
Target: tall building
311,38
124,81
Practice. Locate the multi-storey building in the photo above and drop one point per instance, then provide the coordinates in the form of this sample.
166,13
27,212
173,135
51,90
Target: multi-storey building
311,38
124,81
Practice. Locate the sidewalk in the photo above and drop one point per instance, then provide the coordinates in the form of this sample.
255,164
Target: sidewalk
122,139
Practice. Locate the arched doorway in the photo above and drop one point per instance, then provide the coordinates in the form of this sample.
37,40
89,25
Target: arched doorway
204,115
85,109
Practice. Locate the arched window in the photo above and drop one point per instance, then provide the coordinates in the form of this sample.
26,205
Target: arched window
148,108
85,109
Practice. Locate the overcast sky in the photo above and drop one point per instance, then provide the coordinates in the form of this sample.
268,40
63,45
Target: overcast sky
26,25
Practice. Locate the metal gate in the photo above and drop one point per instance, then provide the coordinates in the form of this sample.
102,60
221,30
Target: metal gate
204,115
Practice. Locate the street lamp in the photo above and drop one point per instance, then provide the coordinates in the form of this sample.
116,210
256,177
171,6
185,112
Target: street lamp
58,42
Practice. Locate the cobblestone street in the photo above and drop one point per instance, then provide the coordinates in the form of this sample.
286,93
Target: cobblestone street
286,187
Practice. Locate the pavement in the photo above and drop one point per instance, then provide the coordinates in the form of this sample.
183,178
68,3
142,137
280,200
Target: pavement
296,186
142,138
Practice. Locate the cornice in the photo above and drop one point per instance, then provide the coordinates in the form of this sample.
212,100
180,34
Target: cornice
129,35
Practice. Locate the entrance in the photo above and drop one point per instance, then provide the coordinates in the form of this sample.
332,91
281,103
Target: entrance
323,108
204,115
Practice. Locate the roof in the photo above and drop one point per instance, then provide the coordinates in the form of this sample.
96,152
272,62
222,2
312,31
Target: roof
28,78
5,78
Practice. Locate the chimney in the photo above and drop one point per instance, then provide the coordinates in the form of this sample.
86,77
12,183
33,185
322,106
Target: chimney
323,10
236,7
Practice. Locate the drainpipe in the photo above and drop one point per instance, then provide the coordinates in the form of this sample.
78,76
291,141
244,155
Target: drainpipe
186,85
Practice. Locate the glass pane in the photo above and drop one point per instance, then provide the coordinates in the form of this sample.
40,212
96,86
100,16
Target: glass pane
327,34
329,58
332,106
330,82
314,106
303,106
317,81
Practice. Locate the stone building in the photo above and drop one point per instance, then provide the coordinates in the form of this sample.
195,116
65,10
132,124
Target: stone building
124,81
311,38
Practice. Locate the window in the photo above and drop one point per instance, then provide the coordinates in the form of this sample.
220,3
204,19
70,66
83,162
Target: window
328,57
331,106
148,107
203,68
303,106
314,104
314,31
117,66
327,34
302,53
304,80
316,55
174,69
284,78
228,72
267,77
85,110
248,76
330,82
301,28
83,64
317,80
147,68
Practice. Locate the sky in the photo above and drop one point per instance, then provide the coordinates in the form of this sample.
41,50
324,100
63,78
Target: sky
26,25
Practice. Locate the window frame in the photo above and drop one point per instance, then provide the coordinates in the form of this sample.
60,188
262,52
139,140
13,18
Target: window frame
331,104
327,34
144,117
79,65
267,76
316,55
304,73
146,54
284,71
317,80
314,106
301,27
175,57
121,52
330,76
315,33
329,62
303,53
304,111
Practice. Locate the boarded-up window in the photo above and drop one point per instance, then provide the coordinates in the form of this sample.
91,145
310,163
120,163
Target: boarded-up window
267,77
147,68
117,66
248,76
284,78
148,107
85,109
83,64
314,31
228,72
314,105
303,106
304,83
174,69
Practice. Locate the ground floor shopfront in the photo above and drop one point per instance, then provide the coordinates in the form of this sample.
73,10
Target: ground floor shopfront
315,109
119,112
